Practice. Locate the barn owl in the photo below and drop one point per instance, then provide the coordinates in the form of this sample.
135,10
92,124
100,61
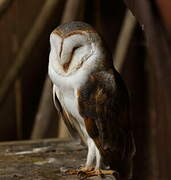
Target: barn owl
92,98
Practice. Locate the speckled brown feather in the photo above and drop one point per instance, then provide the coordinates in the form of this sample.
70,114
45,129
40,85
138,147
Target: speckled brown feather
75,27
104,104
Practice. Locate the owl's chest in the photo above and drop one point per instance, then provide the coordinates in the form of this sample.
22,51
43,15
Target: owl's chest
66,90
69,101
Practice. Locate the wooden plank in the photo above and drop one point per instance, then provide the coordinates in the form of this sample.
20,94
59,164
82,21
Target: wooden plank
41,159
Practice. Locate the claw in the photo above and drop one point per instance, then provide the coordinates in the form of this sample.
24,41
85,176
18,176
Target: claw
102,173
85,172
86,169
80,171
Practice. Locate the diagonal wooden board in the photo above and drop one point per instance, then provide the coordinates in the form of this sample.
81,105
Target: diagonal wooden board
41,159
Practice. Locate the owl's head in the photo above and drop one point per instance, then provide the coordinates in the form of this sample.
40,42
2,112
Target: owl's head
75,45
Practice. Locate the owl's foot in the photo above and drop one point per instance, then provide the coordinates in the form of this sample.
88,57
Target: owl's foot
102,173
86,169
85,172
80,171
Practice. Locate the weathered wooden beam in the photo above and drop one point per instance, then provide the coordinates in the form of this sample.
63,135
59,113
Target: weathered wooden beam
43,159
31,38
18,105
123,42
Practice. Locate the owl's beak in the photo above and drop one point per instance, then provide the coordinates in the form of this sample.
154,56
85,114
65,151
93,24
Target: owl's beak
66,66
66,61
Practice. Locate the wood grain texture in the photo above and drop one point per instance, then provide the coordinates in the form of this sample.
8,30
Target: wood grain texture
45,159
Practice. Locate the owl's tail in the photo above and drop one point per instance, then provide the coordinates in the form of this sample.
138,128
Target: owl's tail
122,161
125,164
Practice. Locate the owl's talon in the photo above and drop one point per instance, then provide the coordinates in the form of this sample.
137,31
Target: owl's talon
102,173
72,172
86,169
81,173
85,172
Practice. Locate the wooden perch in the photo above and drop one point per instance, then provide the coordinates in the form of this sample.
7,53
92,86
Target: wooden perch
73,11
46,159
125,35
26,48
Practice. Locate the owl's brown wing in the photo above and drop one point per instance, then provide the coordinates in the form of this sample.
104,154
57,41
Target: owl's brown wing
104,105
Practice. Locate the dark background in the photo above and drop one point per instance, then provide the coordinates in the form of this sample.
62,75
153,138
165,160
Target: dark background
146,70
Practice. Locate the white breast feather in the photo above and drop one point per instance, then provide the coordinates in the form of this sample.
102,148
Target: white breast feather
66,91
